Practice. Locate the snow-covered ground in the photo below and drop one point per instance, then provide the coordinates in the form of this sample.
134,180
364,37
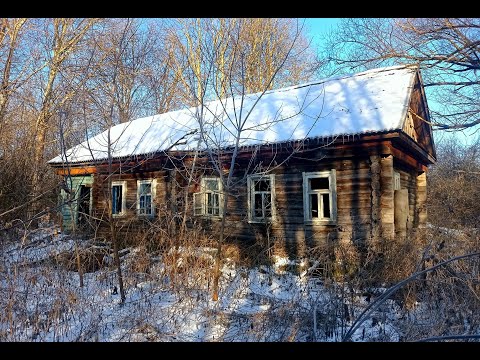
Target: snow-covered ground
43,302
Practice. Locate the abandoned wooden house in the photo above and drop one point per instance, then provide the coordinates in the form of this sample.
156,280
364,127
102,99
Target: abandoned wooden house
343,158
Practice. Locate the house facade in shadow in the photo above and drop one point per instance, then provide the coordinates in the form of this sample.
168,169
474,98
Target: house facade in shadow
342,159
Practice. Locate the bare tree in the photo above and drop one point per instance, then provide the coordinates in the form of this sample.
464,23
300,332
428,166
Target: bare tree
454,182
10,37
63,39
222,133
262,42
161,76
15,71
112,100
447,50
125,86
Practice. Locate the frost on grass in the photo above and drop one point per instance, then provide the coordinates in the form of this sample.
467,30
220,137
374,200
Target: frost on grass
41,300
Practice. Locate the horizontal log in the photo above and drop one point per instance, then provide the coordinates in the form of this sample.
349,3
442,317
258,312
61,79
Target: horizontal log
349,174
352,193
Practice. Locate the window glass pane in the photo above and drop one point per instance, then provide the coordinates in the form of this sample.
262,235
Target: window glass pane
119,199
209,197
211,185
314,206
262,185
213,204
116,199
148,204
145,198
145,188
268,205
209,203
319,183
326,205
258,205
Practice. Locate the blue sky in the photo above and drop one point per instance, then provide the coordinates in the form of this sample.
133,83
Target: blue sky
316,27
319,26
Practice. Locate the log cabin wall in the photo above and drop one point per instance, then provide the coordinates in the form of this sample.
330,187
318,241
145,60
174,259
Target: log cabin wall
408,180
364,198
129,224
289,230
365,162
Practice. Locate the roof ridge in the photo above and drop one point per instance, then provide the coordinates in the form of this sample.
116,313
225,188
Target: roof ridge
339,77
368,104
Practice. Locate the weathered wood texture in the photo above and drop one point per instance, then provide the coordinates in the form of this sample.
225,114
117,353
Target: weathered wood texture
130,223
364,183
375,175
70,202
421,200
364,164
408,180
75,171
353,202
386,198
418,113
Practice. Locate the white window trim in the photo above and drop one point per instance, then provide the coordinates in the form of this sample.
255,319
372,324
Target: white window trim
123,184
153,183
202,193
250,200
332,177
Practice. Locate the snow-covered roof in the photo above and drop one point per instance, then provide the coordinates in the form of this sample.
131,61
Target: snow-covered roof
367,102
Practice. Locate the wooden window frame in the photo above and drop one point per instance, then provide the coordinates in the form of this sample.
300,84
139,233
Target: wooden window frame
332,191
123,184
251,198
153,187
202,198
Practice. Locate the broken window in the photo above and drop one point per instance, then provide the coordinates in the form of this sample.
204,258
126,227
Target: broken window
145,196
319,194
261,194
208,201
118,197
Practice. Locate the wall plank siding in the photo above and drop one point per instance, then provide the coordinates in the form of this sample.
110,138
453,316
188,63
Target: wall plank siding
364,184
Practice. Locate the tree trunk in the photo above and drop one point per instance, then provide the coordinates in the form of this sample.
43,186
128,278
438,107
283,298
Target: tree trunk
111,221
218,257
38,160
74,230
116,259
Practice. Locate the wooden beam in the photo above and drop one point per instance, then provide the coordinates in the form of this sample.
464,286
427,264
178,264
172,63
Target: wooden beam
369,148
400,155
77,171
413,145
